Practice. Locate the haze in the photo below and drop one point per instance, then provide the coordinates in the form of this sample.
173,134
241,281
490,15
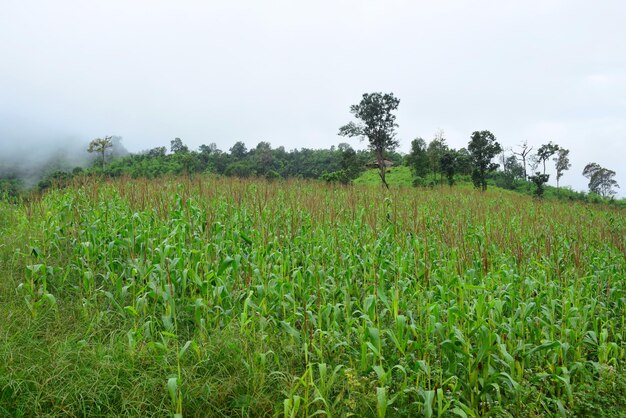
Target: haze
286,72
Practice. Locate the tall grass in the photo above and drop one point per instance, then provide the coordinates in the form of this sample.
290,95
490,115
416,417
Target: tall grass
234,297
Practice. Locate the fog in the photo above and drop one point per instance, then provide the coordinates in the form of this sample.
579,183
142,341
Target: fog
32,152
286,72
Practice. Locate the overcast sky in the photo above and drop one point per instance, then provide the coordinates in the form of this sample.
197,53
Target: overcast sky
287,71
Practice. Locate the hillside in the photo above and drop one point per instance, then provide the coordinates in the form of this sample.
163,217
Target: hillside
222,296
401,176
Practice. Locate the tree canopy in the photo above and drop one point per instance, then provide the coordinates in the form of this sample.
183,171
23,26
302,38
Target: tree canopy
601,180
100,146
377,124
562,163
545,152
483,147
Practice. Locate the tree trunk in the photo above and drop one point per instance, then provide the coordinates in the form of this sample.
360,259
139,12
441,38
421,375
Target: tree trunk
381,167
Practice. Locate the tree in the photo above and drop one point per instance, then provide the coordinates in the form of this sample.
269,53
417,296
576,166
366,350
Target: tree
448,165
483,147
100,145
205,155
545,152
512,170
238,151
377,124
240,169
177,146
525,150
417,159
601,180
436,149
157,152
463,162
562,164
539,180
188,161
263,160
208,149
350,163
533,162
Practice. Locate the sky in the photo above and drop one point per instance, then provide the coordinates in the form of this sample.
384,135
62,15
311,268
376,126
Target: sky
287,72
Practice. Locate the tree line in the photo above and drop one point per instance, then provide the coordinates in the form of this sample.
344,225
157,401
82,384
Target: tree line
341,163
480,160
431,163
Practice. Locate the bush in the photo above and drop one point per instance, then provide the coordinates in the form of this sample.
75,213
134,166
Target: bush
340,176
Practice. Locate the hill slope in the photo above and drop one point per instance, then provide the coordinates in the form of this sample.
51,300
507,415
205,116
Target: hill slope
228,297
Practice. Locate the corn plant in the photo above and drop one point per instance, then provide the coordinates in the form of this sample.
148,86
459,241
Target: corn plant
426,302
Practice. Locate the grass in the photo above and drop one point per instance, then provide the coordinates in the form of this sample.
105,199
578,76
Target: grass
228,297
397,176
401,176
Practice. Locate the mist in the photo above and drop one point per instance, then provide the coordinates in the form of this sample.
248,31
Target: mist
29,153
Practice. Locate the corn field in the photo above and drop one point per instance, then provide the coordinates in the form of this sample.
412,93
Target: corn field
297,299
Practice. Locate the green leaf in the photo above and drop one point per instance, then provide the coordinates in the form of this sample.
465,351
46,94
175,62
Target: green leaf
246,238
545,346
184,349
227,262
172,388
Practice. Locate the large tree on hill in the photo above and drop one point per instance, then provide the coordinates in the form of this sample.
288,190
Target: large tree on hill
377,124
601,179
562,164
483,147
101,145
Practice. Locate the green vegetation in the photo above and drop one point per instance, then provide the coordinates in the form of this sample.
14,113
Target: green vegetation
196,283
100,146
395,176
428,163
377,124
600,180
213,296
483,147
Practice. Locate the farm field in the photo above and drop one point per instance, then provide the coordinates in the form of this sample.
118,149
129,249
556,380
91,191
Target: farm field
228,297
